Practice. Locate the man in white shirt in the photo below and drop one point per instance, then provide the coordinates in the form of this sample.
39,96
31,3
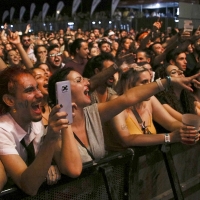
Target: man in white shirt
20,120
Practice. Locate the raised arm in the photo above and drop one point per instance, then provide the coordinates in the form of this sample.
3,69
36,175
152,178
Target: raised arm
137,94
2,65
15,39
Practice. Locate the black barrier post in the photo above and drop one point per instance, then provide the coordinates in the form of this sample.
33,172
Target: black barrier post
133,174
107,172
173,176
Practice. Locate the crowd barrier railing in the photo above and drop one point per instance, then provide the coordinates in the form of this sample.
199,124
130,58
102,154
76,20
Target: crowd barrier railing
142,173
89,24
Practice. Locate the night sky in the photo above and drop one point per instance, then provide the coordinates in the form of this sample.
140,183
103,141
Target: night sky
85,6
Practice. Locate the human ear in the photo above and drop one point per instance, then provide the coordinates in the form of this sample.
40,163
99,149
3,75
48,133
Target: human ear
172,62
8,100
96,71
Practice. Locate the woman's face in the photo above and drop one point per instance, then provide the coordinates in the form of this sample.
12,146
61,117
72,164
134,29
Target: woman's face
45,68
174,71
127,44
115,45
61,41
42,79
13,58
79,89
94,51
143,78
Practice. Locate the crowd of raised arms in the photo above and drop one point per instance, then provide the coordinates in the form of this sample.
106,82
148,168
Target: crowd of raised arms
127,89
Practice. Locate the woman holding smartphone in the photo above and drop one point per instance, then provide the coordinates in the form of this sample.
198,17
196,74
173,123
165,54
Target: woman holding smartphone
88,118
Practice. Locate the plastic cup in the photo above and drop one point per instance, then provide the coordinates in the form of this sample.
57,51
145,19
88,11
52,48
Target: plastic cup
191,120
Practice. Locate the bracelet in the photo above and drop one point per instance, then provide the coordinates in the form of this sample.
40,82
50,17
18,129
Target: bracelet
160,85
168,82
167,138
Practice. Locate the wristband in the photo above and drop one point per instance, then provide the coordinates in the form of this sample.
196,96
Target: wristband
160,85
167,138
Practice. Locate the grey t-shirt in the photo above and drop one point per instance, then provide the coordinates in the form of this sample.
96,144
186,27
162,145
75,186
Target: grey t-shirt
95,135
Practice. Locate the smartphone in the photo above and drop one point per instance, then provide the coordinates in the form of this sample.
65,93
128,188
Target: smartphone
63,96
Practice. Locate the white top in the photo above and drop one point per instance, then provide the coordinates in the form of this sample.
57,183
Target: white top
11,134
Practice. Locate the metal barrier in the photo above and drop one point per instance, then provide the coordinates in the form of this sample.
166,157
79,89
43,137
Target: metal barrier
88,24
144,173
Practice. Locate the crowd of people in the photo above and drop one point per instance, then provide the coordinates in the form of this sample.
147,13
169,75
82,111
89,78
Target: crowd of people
114,76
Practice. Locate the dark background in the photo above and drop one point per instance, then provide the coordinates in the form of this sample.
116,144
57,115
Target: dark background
17,4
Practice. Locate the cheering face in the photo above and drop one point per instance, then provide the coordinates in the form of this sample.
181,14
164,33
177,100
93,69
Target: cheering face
42,79
55,58
13,58
79,89
27,99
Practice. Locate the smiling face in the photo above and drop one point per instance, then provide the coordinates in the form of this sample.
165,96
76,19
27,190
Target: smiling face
13,58
42,80
79,89
26,100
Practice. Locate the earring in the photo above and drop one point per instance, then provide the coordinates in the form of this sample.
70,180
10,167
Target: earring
14,110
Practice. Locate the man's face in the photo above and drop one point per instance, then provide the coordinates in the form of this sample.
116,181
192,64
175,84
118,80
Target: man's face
181,61
96,33
55,58
26,41
83,51
123,34
141,57
92,36
111,80
105,48
158,49
27,99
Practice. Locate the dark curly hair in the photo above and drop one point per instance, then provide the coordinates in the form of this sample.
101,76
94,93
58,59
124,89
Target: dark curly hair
59,75
183,105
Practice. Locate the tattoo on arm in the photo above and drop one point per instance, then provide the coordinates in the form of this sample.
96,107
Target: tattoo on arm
123,126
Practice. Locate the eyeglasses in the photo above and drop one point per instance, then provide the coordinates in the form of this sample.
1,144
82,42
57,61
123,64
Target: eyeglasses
26,40
55,54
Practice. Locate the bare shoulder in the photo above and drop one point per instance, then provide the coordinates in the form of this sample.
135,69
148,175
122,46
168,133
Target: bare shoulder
114,96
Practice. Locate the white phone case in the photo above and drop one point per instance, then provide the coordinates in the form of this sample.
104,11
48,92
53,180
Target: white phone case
63,96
